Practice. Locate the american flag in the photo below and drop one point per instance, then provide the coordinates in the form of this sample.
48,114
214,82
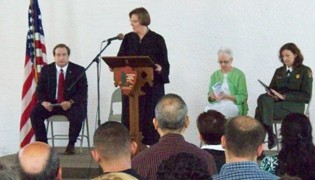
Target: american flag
35,58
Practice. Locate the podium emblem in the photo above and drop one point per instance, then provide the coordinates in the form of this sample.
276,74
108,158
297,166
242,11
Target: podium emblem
126,79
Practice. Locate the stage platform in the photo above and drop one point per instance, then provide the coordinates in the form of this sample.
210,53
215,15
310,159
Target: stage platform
79,166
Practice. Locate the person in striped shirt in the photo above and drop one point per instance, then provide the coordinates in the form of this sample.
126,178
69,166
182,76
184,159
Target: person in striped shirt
170,121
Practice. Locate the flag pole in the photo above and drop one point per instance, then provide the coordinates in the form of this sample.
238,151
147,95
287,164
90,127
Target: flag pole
34,49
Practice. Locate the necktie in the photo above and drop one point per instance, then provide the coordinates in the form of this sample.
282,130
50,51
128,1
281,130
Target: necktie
61,86
288,73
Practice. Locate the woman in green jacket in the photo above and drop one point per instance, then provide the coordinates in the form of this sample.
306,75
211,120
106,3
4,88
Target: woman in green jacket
227,89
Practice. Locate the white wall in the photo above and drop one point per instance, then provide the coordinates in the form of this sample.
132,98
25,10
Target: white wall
193,30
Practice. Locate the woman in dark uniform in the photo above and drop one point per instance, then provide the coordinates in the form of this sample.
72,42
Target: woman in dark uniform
291,88
144,42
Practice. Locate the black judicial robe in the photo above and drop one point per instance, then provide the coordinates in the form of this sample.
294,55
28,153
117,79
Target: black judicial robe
152,45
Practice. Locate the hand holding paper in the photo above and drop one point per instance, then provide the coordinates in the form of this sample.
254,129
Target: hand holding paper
47,106
276,94
217,90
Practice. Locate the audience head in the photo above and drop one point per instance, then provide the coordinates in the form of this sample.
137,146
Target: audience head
142,15
38,160
211,126
117,176
7,173
296,130
244,137
290,55
171,114
183,166
225,58
111,142
297,154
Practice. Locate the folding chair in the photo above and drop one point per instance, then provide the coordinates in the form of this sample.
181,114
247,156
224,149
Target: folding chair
115,100
62,118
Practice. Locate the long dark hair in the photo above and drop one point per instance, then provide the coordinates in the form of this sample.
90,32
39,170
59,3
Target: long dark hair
297,155
295,50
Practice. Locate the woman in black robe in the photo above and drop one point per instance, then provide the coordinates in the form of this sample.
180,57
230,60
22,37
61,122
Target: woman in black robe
144,42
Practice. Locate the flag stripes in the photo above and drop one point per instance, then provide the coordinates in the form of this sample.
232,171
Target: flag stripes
35,58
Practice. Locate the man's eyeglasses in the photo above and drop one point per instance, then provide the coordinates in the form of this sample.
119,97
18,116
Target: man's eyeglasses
223,62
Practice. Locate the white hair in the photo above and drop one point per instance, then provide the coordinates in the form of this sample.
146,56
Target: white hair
226,51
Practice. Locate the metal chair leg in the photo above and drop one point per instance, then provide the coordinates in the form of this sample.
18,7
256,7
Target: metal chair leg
277,136
88,133
82,135
52,134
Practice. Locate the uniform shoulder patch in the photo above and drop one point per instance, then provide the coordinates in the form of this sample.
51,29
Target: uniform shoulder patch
310,74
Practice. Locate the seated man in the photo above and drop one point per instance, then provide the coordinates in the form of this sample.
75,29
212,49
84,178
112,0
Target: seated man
113,149
170,120
56,95
38,161
243,142
211,128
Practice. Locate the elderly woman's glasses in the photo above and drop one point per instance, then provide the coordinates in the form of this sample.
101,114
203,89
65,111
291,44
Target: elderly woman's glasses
223,62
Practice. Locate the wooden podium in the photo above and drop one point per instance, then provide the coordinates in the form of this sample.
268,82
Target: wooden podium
130,74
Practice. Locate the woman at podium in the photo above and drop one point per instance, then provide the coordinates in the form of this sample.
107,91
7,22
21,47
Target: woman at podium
227,90
144,42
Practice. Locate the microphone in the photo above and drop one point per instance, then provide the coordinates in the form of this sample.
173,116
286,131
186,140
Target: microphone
120,36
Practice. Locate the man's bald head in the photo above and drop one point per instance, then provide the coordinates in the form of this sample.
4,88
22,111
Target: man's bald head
171,113
243,136
38,161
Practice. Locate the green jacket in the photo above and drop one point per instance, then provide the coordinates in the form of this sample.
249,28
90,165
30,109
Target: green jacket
237,85
297,88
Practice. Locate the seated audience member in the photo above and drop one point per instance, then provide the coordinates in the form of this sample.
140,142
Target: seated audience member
57,95
170,121
38,160
7,173
227,90
112,150
211,128
183,166
297,154
243,142
290,88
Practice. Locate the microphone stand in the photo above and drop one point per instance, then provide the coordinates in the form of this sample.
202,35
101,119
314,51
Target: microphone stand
97,60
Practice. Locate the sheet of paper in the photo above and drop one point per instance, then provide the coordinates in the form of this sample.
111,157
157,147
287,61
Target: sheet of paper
217,89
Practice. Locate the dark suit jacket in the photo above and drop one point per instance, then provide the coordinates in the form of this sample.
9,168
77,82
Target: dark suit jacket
46,88
297,87
219,158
